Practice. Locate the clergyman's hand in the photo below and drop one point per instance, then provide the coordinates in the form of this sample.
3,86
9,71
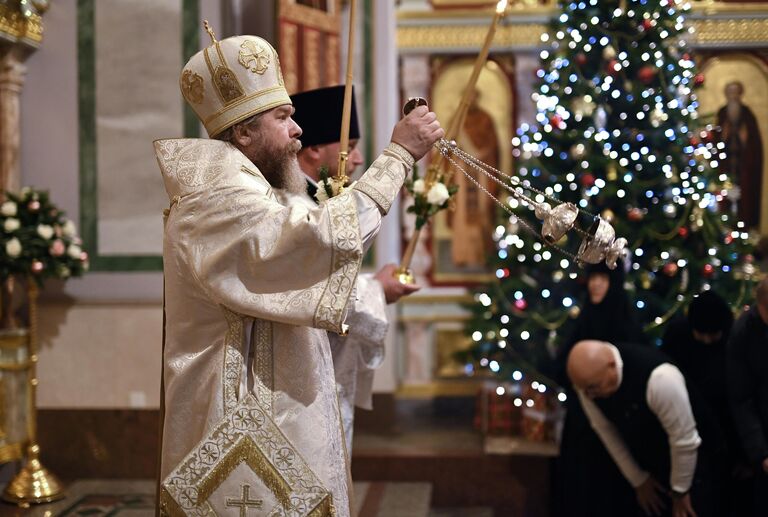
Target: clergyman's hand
681,506
418,131
649,496
393,289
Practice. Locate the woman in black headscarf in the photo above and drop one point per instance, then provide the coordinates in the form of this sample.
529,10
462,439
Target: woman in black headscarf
696,343
587,482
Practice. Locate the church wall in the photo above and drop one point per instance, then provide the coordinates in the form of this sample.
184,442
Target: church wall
101,334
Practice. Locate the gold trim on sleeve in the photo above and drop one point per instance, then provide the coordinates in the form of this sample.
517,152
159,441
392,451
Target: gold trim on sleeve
345,264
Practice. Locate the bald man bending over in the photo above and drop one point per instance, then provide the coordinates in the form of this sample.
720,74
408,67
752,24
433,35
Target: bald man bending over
639,406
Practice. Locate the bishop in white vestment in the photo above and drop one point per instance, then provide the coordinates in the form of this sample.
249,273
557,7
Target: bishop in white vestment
251,418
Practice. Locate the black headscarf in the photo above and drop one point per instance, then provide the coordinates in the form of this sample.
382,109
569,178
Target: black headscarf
612,319
709,313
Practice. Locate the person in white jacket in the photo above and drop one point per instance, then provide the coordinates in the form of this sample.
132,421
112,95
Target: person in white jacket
357,355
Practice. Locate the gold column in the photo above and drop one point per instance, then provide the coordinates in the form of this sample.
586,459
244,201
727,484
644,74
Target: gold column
12,73
21,32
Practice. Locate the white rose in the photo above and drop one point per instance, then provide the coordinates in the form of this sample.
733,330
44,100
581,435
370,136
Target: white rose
45,231
74,251
69,228
11,224
321,194
13,248
418,186
438,194
8,208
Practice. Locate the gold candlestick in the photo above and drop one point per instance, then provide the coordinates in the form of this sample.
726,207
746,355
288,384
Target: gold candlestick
341,179
34,483
434,171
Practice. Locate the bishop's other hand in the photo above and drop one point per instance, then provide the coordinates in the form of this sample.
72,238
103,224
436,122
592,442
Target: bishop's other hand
418,131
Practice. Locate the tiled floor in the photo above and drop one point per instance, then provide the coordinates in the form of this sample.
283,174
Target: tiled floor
124,498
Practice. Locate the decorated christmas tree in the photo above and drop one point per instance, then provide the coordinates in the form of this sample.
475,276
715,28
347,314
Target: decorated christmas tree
618,134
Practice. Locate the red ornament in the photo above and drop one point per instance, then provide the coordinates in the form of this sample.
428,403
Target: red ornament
698,79
708,270
521,304
613,66
695,141
670,269
687,56
707,136
749,258
728,239
683,232
587,180
556,121
647,24
581,58
635,214
646,74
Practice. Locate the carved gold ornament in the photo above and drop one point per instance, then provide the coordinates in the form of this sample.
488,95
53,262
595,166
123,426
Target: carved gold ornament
192,87
254,57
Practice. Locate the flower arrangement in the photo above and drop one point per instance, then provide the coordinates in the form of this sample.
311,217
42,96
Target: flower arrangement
428,197
36,240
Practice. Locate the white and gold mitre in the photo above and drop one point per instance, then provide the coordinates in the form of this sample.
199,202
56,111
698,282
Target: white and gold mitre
231,80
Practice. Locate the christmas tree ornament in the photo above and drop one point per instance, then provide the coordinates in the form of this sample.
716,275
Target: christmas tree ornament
521,304
635,214
647,74
683,232
670,269
645,280
608,215
708,270
698,79
578,151
587,180
583,106
610,173
613,67
648,24
601,117
609,52
581,59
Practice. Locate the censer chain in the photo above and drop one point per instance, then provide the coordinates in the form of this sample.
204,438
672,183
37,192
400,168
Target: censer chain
478,165
492,171
517,218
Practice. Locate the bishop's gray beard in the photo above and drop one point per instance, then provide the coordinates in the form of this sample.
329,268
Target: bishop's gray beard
281,168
